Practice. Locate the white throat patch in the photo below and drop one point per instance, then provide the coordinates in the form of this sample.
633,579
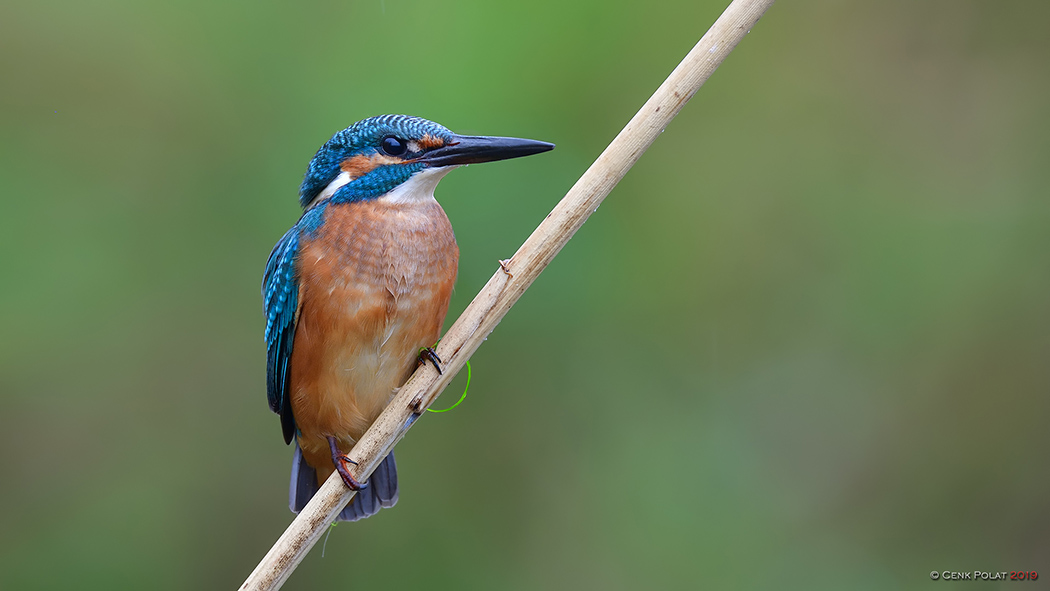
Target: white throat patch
419,187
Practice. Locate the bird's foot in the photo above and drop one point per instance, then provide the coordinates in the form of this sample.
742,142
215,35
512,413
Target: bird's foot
340,460
429,354
344,473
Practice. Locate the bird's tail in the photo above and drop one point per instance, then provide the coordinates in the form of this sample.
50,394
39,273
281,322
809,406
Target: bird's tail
381,491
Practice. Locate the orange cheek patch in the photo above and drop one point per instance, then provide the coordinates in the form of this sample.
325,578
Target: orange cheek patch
429,141
362,164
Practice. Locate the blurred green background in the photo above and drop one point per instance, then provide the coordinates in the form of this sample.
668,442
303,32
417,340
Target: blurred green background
804,343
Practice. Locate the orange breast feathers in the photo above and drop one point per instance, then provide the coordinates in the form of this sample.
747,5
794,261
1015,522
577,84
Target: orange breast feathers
375,283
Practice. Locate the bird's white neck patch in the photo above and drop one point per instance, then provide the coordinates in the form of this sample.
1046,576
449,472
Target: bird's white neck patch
419,187
337,182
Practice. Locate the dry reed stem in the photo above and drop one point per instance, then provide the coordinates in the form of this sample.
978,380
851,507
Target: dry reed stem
505,287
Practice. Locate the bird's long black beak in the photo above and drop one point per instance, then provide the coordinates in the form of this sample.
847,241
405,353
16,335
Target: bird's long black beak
472,149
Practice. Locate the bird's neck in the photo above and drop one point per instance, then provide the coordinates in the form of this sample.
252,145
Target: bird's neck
415,194
418,188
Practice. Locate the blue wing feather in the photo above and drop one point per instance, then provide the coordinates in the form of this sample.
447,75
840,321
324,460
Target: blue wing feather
280,291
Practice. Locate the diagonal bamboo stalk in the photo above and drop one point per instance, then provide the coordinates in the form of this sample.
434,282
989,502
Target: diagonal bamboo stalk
507,285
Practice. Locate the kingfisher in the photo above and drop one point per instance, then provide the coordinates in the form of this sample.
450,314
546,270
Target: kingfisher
356,292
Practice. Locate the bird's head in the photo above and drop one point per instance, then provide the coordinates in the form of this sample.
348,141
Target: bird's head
382,154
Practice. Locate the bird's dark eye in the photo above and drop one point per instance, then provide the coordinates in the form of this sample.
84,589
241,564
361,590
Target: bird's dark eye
393,146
